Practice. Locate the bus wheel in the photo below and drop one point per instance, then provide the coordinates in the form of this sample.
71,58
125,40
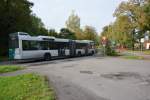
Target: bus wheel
47,57
79,54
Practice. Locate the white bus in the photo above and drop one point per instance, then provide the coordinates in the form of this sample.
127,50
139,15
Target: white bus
23,46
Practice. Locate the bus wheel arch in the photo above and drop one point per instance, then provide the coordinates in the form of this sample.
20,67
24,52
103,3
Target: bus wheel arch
92,52
47,56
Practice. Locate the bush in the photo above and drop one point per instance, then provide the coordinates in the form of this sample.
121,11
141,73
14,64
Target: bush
110,51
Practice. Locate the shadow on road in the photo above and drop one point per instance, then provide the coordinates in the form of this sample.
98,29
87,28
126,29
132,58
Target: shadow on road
53,61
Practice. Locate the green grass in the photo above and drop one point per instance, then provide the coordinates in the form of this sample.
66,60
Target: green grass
133,57
8,68
147,52
25,87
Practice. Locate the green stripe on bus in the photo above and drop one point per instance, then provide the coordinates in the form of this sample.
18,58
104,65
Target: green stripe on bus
11,54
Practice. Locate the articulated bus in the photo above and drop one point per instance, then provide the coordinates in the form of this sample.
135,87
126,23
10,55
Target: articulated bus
22,46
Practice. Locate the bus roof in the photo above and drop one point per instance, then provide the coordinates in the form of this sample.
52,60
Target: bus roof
26,36
61,40
83,41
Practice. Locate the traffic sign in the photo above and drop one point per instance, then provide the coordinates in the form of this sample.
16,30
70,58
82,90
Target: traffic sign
104,40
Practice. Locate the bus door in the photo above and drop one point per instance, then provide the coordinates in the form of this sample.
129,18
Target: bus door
72,48
61,50
86,49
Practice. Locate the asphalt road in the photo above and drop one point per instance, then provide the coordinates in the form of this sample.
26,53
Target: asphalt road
95,78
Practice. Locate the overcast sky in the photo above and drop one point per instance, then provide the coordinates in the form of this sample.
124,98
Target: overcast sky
96,13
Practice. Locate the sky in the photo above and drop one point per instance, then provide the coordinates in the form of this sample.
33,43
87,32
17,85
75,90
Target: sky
96,13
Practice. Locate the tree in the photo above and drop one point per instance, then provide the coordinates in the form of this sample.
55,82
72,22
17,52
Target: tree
122,31
66,33
52,32
108,32
43,31
119,31
90,33
73,24
14,16
37,26
132,21
138,12
146,9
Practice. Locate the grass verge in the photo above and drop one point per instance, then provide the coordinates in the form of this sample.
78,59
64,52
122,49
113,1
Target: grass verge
9,68
25,87
147,52
133,57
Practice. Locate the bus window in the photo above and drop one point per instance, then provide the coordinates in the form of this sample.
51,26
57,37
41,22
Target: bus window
30,45
92,45
62,45
34,45
81,45
66,45
53,46
25,45
44,45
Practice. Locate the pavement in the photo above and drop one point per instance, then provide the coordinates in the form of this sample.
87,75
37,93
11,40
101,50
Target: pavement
94,78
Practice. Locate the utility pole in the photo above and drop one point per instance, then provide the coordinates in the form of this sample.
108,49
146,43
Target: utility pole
104,42
133,31
142,41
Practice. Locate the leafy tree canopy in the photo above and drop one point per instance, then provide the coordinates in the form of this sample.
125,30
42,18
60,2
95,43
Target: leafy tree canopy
66,33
